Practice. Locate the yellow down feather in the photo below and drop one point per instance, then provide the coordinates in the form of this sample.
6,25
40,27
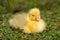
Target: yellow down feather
30,22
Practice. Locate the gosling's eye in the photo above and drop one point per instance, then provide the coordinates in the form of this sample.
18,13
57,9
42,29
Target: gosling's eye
32,15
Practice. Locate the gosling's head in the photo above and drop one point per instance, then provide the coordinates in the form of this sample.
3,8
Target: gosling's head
34,14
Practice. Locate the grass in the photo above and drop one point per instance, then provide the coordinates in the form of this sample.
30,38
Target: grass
50,12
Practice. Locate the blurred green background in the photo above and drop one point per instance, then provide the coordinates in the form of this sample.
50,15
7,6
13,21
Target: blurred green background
50,12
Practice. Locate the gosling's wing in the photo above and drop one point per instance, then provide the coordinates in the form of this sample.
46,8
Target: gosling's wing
18,21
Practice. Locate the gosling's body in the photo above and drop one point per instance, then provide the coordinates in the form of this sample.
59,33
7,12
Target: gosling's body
33,26
30,23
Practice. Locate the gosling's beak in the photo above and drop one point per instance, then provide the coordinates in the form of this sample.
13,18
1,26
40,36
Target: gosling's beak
37,18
